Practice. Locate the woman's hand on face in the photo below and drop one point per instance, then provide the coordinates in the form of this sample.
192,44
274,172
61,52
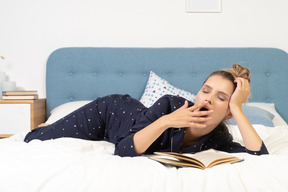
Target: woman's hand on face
240,94
189,116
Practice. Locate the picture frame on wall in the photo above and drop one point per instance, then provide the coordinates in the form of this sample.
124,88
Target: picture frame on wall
203,6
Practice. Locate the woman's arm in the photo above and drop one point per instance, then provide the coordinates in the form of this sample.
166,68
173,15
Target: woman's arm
183,117
251,139
43,125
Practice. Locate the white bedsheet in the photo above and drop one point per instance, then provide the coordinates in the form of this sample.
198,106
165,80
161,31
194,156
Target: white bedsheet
77,165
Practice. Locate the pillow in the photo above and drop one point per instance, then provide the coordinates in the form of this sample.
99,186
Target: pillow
277,120
64,109
156,87
256,115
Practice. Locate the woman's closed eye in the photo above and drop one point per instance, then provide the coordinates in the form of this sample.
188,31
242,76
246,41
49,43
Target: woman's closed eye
205,90
222,97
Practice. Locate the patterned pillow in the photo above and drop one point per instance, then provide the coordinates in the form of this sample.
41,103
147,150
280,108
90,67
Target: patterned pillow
156,87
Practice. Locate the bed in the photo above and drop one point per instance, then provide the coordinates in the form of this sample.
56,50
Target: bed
77,75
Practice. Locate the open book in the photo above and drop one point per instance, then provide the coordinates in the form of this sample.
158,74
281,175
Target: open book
202,160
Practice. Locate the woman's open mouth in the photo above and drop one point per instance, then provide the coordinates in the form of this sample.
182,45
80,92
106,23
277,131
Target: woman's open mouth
203,109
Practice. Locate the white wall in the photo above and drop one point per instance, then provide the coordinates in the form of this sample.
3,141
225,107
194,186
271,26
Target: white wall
31,29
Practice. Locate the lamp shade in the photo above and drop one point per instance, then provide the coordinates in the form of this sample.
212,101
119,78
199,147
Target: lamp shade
8,86
2,77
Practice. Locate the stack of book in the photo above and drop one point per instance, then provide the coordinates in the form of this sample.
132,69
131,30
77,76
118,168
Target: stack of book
19,95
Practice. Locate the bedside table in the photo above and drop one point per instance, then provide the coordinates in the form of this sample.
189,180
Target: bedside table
21,115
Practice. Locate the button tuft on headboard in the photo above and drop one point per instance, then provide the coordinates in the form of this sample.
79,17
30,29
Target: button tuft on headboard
268,99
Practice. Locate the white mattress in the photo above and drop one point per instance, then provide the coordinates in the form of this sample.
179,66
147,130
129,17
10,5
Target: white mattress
77,165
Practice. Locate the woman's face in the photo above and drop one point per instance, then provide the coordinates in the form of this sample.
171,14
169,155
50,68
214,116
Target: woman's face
217,91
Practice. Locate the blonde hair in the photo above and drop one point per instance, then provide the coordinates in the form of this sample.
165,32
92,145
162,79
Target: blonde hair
239,71
233,73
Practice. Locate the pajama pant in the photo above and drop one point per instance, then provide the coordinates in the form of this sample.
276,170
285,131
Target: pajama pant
100,119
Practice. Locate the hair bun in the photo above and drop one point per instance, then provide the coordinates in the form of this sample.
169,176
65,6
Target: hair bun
240,71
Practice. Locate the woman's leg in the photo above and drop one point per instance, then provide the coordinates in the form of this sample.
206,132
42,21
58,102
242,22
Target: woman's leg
86,122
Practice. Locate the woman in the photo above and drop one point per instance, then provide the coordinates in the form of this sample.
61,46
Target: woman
171,124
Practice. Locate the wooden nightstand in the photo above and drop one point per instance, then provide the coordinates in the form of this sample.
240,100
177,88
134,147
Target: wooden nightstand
21,115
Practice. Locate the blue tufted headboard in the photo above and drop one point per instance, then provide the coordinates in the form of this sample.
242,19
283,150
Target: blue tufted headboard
85,73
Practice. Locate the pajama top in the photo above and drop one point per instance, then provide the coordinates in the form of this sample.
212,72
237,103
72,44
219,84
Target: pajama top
116,118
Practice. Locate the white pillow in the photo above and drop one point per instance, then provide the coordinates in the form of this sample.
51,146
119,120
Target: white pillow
64,109
156,87
277,120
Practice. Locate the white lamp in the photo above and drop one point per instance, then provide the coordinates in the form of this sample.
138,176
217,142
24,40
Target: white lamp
2,79
9,86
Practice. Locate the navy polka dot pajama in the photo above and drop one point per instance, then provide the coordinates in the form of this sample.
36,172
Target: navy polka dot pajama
116,118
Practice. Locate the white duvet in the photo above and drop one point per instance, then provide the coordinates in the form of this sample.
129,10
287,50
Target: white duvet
77,165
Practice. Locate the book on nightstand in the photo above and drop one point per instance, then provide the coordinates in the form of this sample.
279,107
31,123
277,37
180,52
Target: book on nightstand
32,92
201,160
19,95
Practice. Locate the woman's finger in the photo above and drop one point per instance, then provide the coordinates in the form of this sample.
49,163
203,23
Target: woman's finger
197,107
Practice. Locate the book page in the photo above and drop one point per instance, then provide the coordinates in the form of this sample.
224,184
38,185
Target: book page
179,157
176,162
207,157
203,159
